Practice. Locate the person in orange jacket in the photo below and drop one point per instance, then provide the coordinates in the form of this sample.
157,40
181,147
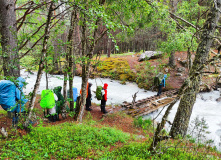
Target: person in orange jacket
89,97
104,99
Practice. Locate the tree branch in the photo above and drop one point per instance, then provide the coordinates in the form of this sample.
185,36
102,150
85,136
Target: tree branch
22,45
40,5
40,38
24,5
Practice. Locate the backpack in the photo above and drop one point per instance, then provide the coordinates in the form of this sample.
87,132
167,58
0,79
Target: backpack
47,99
75,94
99,93
7,94
158,79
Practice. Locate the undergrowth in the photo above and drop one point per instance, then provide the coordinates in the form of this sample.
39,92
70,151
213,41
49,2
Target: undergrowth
71,141
64,141
136,151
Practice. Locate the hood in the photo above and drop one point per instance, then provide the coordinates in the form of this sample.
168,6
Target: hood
165,76
57,89
20,82
105,85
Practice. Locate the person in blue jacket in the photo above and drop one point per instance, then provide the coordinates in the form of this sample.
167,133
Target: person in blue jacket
162,84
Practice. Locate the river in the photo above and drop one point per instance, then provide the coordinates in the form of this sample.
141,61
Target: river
205,107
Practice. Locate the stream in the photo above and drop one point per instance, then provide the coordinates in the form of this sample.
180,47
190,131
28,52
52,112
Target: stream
205,107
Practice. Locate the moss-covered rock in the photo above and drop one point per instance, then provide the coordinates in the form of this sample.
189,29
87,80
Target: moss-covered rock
116,68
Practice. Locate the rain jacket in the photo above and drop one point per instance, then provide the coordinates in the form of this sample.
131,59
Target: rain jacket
105,91
164,80
86,90
10,95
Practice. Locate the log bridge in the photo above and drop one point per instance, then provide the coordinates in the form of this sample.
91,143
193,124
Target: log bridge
148,105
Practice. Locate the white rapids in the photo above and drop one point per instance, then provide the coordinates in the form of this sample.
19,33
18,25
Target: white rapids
206,105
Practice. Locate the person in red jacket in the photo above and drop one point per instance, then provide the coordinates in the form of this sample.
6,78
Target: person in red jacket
104,99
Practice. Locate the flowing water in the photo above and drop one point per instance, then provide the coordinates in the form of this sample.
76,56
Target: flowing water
205,107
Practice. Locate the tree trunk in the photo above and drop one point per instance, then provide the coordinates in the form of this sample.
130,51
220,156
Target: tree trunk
41,65
69,57
181,121
63,108
8,33
109,41
172,62
84,80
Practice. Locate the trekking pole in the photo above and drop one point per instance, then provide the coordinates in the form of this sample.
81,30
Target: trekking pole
101,81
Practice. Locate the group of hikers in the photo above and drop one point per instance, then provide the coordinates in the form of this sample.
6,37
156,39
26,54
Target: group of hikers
12,98
103,99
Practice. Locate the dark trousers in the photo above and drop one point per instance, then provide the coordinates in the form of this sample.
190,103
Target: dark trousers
88,103
103,104
159,90
15,118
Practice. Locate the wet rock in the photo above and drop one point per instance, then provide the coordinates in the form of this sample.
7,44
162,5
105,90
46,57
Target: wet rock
183,62
166,70
178,74
4,132
140,137
181,69
218,99
150,55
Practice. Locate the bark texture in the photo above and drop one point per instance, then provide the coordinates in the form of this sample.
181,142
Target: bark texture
70,56
41,65
172,62
181,121
8,31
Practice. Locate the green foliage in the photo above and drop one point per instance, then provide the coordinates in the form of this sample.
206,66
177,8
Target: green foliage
3,112
136,151
65,141
30,63
145,124
145,74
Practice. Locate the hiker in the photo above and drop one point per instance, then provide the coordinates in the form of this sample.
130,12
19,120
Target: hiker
161,85
89,97
48,102
104,99
12,98
52,111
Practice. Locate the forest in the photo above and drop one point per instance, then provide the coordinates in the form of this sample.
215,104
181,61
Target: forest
168,46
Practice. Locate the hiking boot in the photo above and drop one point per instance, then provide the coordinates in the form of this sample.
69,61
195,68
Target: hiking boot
105,112
88,109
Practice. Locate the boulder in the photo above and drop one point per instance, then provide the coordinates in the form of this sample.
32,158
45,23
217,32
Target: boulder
180,69
178,74
150,55
183,62
218,99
